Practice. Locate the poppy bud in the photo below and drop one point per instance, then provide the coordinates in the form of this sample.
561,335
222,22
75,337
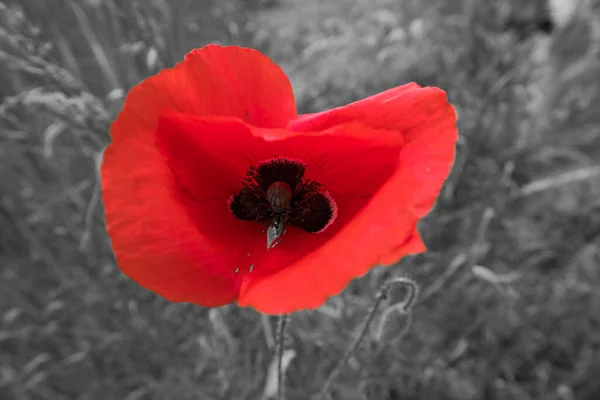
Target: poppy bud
401,294
393,324
402,291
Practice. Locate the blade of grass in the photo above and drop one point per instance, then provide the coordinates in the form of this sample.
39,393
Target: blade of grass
95,45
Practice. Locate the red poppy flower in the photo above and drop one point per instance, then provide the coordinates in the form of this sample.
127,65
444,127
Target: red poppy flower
216,191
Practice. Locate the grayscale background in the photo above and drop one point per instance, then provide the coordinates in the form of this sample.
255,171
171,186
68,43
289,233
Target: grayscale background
510,300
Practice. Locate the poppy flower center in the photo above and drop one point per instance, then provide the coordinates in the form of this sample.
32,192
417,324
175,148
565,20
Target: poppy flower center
276,194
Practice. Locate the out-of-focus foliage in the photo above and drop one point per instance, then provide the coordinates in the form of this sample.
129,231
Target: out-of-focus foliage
510,284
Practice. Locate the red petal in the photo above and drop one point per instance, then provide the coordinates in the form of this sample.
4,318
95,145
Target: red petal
425,120
374,230
412,245
153,238
214,80
353,162
209,156
321,265
348,158
384,110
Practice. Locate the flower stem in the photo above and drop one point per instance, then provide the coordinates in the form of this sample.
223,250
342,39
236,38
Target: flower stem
281,329
382,295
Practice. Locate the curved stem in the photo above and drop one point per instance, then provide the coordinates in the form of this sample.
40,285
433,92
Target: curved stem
370,316
413,291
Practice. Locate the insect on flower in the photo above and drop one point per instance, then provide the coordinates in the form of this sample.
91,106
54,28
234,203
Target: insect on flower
216,191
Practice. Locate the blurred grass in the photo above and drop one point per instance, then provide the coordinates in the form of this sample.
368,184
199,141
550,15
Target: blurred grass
511,281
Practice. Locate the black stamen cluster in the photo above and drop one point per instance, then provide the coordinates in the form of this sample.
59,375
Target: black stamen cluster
309,209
